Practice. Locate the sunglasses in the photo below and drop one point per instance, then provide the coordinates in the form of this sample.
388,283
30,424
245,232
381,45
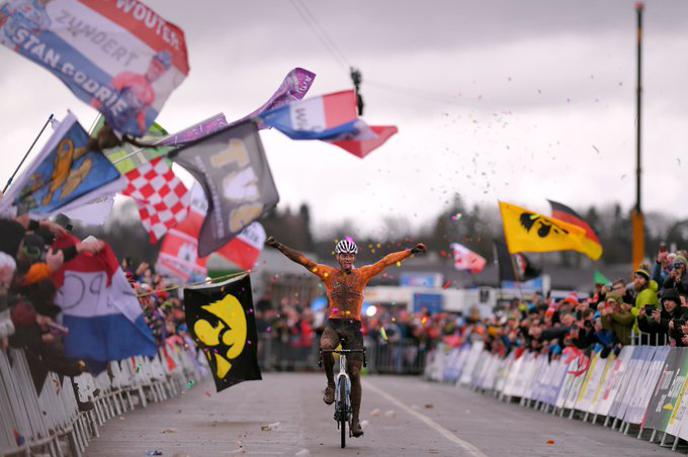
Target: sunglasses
679,265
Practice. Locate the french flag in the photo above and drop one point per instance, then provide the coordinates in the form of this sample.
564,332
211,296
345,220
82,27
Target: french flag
100,308
317,118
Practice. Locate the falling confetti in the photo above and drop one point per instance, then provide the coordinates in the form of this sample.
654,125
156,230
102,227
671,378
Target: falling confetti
398,264
595,148
138,367
208,394
190,384
457,216
550,442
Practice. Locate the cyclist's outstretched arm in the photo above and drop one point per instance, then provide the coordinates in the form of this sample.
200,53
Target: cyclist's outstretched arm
298,257
391,259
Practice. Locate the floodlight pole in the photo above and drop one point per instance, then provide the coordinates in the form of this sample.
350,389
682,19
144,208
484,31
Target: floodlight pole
637,216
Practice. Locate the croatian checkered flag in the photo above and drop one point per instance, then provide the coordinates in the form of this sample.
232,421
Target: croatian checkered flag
162,198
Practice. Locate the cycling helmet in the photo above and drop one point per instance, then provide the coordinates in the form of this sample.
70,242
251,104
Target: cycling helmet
346,246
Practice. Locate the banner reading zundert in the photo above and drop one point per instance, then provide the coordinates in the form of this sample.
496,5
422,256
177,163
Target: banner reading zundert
119,56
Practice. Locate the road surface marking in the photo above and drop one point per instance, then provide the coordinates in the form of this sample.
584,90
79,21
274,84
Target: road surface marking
465,445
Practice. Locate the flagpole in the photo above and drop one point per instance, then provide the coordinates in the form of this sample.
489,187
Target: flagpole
637,219
9,181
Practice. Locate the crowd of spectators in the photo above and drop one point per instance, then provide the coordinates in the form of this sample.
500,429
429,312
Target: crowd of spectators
651,309
29,318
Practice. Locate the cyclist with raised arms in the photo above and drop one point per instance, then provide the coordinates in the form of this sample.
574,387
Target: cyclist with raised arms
344,287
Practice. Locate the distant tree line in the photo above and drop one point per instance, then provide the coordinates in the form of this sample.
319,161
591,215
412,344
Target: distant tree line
474,227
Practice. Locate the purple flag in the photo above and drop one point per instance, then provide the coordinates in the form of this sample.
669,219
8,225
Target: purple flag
294,87
196,131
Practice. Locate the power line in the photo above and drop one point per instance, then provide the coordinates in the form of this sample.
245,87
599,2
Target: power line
320,33
323,30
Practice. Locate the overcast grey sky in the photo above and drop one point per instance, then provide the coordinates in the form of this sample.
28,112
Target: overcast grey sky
516,100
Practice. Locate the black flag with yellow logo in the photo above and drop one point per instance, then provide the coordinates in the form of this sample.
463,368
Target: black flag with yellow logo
221,320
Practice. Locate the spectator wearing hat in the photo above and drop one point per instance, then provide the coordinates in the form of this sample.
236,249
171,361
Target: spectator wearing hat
646,292
656,323
677,278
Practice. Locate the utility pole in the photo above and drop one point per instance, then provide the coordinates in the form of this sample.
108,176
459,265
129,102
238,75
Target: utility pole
637,218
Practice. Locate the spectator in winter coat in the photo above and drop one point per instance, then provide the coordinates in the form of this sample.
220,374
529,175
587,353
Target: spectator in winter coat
618,317
677,278
646,297
657,323
602,339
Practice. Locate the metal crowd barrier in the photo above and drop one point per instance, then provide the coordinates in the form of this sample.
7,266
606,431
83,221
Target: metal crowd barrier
64,416
649,339
402,357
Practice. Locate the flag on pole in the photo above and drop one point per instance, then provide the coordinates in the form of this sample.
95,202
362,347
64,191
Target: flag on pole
293,88
364,139
233,170
513,267
316,118
221,319
162,197
465,259
591,242
527,231
126,157
63,173
119,56
100,309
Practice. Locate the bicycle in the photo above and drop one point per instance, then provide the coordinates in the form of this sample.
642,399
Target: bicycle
342,391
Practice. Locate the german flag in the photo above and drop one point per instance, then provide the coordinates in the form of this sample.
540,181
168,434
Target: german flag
591,243
527,231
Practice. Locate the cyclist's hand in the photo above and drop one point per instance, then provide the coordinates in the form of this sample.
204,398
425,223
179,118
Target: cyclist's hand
272,242
419,248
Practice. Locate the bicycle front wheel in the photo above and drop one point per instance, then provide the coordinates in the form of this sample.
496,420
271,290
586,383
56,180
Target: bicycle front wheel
343,412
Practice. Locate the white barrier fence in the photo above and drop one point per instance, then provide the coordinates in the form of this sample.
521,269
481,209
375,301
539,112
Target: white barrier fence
50,422
644,389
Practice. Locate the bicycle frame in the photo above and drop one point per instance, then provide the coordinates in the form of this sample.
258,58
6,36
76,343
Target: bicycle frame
342,406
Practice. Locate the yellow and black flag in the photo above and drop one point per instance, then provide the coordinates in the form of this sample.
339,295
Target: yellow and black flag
221,320
527,231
